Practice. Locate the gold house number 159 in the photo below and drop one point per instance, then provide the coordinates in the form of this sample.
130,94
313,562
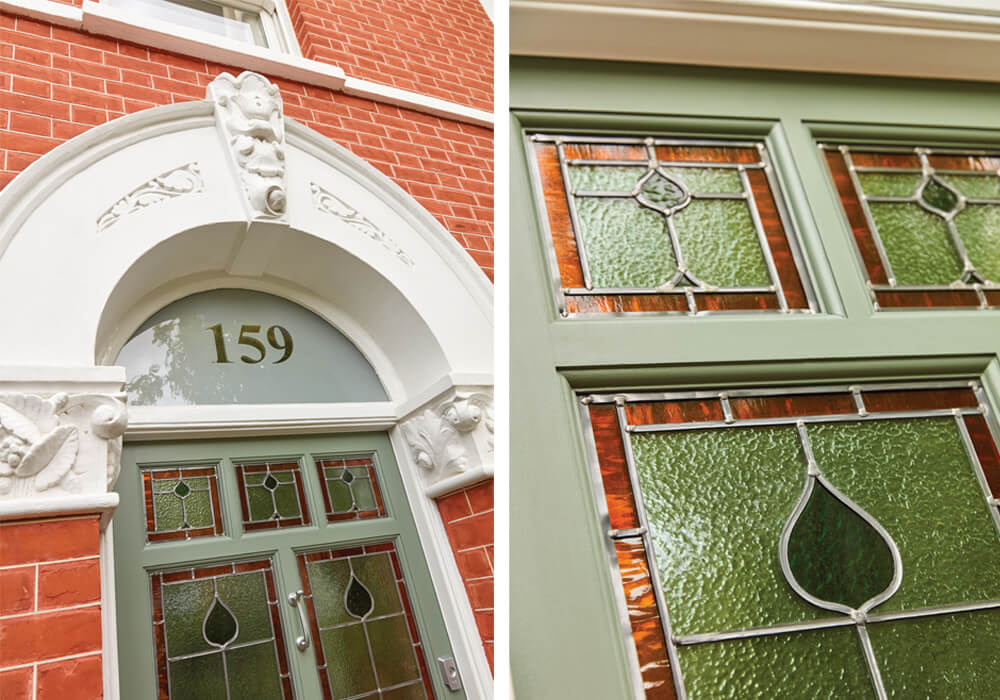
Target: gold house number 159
247,337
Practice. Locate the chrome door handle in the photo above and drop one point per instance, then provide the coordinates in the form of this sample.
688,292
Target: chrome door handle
295,600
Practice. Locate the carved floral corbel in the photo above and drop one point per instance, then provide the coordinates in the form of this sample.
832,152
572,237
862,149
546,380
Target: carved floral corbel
248,112
64,443
452,438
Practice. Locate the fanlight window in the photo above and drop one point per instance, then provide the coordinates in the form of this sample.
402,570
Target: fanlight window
811,542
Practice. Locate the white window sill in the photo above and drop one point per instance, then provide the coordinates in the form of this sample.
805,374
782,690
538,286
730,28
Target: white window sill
96,18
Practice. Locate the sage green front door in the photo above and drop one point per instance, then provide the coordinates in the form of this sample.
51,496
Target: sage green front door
272,568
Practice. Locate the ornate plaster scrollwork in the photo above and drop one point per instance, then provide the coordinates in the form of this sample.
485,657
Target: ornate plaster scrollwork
173,183
62,443
330,203
248,111
452,438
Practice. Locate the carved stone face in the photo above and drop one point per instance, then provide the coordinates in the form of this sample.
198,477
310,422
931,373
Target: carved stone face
255,101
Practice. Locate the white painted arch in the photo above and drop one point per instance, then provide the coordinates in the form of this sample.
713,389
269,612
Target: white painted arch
72,292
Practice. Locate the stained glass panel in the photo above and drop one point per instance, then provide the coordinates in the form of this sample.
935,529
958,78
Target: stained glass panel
350,488
181,502
926,223
271,495
218,633
359,611
786,524
646,224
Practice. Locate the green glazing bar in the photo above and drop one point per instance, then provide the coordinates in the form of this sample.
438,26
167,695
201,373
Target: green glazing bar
717,501
605,178
917,243
889,184
944,656
627,244
720,243
978,226
835,554
817,664
916,479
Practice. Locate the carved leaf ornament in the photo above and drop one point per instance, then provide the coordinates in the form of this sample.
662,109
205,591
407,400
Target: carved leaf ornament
33,446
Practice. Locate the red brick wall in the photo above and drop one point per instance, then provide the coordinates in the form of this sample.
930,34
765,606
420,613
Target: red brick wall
468,520
442,48
50,610
56,83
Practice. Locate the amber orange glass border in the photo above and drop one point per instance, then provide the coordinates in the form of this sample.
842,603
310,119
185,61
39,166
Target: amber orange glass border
151,475
575,298
842,159
354,461
257,466
342,553
157,579
613,416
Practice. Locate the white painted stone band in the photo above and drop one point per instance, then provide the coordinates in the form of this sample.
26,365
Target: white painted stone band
102,19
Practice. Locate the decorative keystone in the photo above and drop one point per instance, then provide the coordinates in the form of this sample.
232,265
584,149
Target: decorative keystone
248,112
451,440
61,444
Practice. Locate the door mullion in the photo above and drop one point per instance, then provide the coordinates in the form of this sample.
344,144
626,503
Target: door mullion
305,676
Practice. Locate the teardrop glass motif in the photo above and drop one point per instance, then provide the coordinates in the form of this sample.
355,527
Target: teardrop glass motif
938,196
347,477
181,489
219,627
357,599
837,556
270,483
661,192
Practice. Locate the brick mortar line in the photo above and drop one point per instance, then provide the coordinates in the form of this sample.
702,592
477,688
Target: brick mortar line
46,563
36,612
36,664
467,517
480,578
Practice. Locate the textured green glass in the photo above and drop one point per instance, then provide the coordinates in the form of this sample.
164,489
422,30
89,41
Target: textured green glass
938,196
340,495
246,597
219,625
605,178
363,494
889,184
376,571
720,243
169,512
329,580
975,186
348,665
184,608
286,499
816,664
392,651
165,485
261,505
198,505
661,192
253,673
917,243
626,244
978,226
835,555
197,678
914,477
414,691
717,501
708,180
945,656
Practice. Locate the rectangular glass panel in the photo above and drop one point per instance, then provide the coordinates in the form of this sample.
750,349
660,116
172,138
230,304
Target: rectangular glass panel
926,223
181,502
218,632
272,495
350,487
647,224
360,613
215,18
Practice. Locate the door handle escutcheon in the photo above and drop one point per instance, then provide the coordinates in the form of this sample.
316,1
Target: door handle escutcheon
295,600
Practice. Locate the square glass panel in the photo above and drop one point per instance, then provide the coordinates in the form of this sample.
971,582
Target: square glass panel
272,495
925,221
764,538
218,633
360,612
181,502
664,225
350,487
